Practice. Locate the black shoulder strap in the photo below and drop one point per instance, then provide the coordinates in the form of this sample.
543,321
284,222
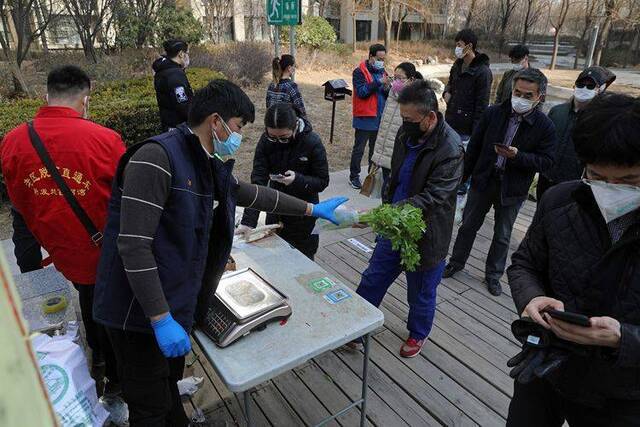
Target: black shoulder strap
96,236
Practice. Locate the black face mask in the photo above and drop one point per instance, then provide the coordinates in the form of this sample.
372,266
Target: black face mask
412,129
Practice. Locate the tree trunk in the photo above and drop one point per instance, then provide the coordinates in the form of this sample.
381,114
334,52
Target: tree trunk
19,83
355,37
472,7
388,22
580,48
556,45
525,31
604,35
43,34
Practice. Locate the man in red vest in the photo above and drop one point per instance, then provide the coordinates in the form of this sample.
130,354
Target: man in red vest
85,155
371,87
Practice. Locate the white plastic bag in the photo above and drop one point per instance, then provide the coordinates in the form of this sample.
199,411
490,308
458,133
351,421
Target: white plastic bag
72,391
460,204
346,216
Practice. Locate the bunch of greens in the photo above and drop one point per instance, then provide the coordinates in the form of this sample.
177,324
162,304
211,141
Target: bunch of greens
403,226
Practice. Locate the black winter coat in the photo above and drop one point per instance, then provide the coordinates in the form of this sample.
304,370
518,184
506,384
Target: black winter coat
567,254
434,182
306,156
535,141
173,92
470,91
566,165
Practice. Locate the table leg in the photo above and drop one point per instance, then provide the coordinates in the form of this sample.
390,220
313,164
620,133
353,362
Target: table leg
247,407
365,386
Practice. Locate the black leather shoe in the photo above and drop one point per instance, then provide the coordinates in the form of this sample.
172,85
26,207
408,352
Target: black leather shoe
494,286
450,270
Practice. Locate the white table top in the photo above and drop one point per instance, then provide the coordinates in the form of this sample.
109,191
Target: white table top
315,326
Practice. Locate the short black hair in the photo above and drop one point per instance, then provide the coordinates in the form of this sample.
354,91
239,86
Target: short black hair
67,81
519,51
174,47
375,48
532,75
420,94
224,98
606,131
467,36
282,115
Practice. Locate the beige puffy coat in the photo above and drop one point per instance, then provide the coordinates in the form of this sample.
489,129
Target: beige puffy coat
391,122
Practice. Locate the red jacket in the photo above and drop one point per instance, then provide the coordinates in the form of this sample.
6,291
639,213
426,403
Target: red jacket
365,107
86,155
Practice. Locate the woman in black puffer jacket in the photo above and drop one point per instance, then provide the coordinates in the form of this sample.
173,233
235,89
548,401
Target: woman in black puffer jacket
290,158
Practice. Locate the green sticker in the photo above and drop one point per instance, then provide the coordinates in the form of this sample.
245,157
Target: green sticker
320,285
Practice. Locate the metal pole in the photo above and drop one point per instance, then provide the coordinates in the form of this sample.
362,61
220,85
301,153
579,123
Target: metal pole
277,40
247,407
333,119
592,46
292,45
365,386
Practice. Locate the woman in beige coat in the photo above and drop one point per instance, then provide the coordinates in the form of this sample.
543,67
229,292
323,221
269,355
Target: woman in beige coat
391,120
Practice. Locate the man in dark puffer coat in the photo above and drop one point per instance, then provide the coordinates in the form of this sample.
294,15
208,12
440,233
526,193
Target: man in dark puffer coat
582,254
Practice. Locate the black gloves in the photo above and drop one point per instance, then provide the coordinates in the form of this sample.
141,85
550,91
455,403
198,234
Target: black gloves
542,352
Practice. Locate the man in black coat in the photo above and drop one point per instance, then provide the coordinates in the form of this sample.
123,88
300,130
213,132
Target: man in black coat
426,168
469,88
582,254
173,91
513,141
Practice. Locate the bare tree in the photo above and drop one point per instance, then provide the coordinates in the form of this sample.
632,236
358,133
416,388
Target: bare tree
217,14
588,19
534,11
21,12
557,22
506,11
610,11
472,8
403,11
88,17
387,8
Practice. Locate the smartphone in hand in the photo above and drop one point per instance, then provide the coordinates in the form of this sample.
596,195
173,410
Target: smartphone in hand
565,316
276,176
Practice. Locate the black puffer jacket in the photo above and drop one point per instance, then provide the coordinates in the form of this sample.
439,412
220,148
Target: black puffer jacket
434,182
470,91
173,92
306,156
535,141
566,165
567,254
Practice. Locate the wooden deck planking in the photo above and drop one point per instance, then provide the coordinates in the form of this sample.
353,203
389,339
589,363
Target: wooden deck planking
461,377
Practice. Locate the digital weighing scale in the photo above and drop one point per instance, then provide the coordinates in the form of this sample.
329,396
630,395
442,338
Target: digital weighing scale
243,301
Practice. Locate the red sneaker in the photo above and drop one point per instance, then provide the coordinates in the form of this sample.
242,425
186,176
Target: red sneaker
411,348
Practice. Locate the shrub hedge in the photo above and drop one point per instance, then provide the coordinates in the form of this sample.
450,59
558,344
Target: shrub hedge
126,106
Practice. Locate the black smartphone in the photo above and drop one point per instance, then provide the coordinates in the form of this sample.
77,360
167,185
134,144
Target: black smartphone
573,318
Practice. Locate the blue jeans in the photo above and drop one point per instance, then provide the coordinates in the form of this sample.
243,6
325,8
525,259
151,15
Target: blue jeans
384,268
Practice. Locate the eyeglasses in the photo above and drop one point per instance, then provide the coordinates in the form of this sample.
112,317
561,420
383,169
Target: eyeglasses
278,140
590,85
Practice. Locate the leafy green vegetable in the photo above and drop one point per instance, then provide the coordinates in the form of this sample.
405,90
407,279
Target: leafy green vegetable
403,226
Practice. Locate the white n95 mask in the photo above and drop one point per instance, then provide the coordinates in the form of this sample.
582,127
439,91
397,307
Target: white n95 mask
614,200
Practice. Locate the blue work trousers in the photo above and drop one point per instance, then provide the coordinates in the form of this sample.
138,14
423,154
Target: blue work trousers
384,268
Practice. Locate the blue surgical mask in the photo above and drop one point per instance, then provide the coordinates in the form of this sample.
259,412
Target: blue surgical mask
378,65
229,146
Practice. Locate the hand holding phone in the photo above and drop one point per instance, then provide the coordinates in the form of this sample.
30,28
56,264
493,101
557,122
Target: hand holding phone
276,176
566,316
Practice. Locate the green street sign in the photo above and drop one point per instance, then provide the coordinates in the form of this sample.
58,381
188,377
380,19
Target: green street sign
284,12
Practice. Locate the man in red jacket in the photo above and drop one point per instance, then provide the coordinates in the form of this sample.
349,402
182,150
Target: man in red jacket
86,156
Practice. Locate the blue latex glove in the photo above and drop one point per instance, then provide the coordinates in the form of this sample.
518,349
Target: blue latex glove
172,338
326,208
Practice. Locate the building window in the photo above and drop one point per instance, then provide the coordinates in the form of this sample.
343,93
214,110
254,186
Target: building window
63,31
363,31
